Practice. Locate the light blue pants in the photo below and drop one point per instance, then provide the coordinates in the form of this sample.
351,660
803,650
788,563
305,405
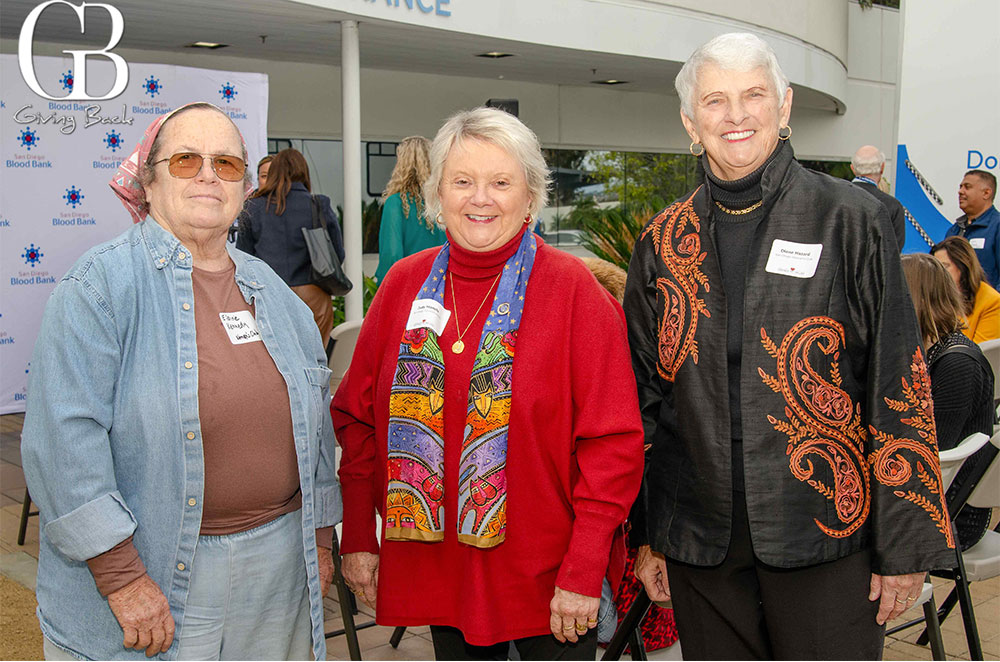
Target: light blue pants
248,597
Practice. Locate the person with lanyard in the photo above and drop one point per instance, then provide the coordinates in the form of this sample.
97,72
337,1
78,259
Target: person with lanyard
490,417
868,165
980,221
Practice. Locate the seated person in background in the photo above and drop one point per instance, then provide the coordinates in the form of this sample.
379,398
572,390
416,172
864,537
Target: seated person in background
961,378
980,302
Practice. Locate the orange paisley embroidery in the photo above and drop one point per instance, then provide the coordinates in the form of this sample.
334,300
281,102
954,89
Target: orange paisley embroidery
676,241
822,420
889,465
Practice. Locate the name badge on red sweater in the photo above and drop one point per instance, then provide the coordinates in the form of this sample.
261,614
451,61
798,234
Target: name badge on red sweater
241,327
428,314
789,258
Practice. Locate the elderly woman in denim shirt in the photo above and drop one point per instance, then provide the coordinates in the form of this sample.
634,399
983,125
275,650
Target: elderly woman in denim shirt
175,439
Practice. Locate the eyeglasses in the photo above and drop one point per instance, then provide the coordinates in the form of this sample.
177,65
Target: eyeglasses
186,165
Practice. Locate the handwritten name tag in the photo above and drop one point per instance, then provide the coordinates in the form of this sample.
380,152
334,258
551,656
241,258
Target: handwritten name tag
241,327
428,314
792,259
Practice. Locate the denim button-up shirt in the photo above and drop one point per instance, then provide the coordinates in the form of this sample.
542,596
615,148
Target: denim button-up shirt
112,442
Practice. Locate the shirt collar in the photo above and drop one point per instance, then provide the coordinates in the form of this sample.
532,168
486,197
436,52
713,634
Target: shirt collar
866,180
165,248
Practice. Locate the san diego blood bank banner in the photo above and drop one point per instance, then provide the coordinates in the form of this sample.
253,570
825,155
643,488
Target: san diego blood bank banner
57,159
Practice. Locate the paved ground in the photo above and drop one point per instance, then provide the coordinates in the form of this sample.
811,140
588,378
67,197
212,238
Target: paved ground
20,563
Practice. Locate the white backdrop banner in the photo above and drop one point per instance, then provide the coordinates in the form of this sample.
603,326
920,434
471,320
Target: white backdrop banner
57,159
949,98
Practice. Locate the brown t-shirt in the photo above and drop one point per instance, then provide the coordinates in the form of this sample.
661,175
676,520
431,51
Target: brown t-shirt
251,470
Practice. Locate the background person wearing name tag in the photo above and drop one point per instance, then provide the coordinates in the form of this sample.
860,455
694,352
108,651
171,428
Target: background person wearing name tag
176,439
783,390
980,221
502,444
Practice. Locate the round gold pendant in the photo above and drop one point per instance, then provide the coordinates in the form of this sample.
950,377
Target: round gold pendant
458,347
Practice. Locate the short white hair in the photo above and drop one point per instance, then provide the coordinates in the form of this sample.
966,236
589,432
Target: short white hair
734,51
501,129
868,162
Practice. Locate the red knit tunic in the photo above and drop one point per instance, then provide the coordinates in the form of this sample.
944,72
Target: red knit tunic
574,456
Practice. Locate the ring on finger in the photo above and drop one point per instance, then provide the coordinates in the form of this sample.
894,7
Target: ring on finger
569,629
911,599
581,628
902,602
591,621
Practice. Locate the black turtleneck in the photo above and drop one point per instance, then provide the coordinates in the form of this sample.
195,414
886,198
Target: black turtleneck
733,235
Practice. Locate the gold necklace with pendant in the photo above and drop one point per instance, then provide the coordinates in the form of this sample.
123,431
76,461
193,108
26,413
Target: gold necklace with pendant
458,346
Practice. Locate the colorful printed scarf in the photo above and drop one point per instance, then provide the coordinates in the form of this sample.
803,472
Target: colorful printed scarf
415,500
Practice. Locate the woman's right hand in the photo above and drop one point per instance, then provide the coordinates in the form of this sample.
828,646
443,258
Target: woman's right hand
144,616
360,570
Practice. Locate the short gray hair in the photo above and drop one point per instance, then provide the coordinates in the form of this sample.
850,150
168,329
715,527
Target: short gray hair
734,51
868,162
501,129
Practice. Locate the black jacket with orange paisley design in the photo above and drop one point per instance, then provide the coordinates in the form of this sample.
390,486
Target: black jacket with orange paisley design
839,446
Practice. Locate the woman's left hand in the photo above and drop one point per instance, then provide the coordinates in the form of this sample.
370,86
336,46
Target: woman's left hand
572,615
326,569
897,592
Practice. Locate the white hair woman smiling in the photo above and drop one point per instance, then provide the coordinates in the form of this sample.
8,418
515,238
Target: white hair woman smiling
495,335
774,346
501,129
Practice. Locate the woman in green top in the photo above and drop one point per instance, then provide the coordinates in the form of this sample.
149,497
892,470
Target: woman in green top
405,230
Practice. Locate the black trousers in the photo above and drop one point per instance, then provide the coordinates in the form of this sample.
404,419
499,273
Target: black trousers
449,644
747,610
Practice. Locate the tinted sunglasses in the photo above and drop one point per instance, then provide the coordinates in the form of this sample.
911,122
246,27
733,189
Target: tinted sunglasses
186,165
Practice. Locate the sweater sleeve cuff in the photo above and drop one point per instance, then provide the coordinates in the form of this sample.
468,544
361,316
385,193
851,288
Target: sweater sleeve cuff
117,567
586,561
359,518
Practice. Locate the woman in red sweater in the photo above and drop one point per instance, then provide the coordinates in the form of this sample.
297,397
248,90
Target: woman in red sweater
490,417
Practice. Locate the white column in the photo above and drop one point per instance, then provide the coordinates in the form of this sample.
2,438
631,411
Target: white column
350,84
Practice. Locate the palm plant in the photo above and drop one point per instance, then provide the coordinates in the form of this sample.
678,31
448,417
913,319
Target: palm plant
610,233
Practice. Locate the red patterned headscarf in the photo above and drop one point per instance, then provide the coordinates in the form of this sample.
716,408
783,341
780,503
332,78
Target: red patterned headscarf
125,182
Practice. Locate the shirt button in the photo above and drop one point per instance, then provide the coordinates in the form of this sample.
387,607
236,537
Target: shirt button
182,255
186,306
188,365
181,566
192,501
190,435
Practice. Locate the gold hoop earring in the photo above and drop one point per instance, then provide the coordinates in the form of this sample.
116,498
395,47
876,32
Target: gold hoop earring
784,133
438,220
701,148
527,219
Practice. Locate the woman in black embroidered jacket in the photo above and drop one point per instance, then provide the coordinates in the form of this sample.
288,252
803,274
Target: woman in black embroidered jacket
792,487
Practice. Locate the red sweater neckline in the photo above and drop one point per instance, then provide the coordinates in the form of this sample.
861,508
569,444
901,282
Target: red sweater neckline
475,264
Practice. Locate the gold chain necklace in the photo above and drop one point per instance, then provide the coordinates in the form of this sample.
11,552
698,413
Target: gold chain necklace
739,212
458,346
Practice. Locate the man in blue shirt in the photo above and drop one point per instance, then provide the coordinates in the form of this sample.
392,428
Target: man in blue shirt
980,223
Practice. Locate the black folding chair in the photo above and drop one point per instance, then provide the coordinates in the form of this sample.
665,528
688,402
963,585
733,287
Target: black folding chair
629,632
348,608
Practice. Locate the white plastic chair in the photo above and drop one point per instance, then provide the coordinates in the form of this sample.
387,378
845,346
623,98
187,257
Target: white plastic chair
344,337
982,560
